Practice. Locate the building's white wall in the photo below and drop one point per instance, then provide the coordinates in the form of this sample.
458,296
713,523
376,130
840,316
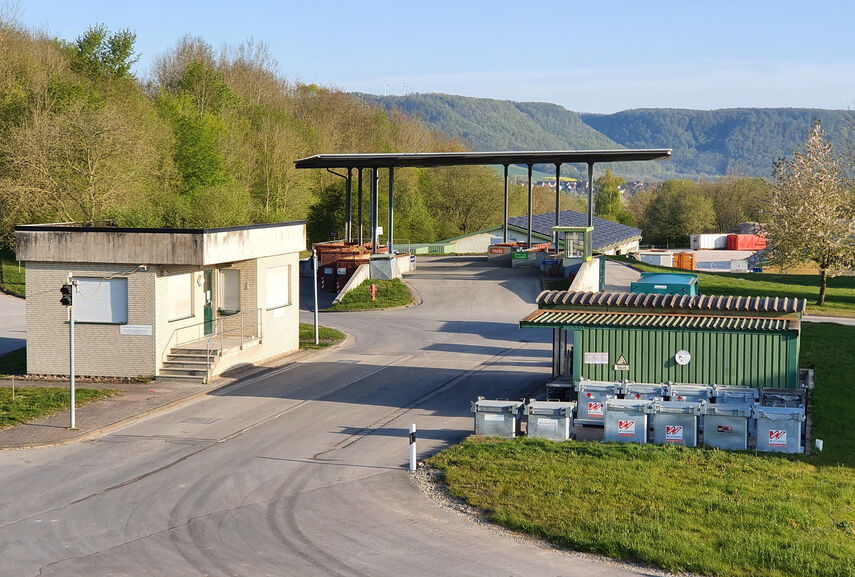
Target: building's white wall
172,333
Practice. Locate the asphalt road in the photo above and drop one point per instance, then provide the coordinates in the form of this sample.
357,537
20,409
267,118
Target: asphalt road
302,470
13,323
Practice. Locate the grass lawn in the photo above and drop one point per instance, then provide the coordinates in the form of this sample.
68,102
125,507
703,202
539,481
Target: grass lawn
326,336
839,297
723,513
11,281
34,402
390,293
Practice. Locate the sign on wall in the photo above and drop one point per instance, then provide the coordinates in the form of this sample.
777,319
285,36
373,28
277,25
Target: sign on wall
596,358
138,330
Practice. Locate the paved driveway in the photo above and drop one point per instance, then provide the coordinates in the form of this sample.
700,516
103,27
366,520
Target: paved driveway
13,323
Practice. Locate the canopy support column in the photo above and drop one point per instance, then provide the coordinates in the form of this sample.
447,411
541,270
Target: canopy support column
505,221
359,198
348,225
529,206
389,235
590,194
557,204
372,204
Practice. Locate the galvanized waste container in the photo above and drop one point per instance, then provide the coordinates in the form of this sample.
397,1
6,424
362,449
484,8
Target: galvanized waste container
726,425
728,394
688,393
779,429
676,423
782,397
626,420
497,418
643,391
592,400
551,420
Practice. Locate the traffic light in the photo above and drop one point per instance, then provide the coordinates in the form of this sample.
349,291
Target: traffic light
66,295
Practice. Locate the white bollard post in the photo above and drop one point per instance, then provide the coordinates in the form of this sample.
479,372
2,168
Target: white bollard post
412,447
819,445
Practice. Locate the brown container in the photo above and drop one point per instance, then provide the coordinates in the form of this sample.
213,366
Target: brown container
684,260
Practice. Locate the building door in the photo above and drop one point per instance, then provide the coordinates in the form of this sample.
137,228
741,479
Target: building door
209,302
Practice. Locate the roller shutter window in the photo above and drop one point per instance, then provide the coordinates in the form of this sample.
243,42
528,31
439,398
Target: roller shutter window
278,286
101,300
230,279
179,289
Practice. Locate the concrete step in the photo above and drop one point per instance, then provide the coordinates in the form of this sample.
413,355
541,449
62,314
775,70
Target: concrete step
189,351
200,372
186,364
188,358
186,378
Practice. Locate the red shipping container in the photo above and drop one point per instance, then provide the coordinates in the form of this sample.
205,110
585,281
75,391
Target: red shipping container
746,242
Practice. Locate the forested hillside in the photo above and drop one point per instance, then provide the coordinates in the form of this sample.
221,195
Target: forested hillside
210,139
709,143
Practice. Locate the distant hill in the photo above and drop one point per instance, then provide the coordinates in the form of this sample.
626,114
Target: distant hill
743,141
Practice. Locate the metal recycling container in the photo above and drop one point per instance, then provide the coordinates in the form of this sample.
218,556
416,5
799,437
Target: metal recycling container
656,257
779,429
643,391
660,283
782,397
626,421
726,425
688,393
592,397
727,394
497,418
551,420
676,423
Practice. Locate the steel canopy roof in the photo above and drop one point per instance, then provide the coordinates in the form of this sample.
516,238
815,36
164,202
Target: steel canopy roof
425,159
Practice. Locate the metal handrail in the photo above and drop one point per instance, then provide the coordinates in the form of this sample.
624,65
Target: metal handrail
219,321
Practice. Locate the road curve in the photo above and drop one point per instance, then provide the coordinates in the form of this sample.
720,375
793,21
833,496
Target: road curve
300,470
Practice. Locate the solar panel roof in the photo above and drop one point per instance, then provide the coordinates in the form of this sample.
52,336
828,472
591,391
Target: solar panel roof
606,233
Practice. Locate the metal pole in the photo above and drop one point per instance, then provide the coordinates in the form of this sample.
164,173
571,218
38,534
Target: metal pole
505,222
529,206
412,447
348,227
557,203
590,194
72,421
359,209
372,223
376,207
389,235
315,277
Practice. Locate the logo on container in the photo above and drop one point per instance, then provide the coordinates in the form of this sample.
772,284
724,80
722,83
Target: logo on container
777,438
626,428
673,434
595,410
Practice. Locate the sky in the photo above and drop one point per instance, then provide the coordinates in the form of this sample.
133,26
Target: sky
595,56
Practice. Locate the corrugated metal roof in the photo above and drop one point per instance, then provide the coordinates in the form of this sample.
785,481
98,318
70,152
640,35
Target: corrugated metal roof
660,301
558,318
606,233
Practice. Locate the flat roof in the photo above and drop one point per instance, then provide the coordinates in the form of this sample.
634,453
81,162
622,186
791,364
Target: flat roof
80,227
424,159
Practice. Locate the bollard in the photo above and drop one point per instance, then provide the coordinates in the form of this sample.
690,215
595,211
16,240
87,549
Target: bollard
373,291
412,447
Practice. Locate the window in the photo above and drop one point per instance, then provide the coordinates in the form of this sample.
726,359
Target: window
101,300
278,286
178,291
230,281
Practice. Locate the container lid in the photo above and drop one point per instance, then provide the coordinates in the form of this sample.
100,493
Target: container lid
691,389
629,405
730,390
485,406
550,408
596,386
643,388
728,409
780,413
681,407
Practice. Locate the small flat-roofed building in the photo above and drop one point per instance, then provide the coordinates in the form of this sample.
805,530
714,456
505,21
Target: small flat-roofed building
171,303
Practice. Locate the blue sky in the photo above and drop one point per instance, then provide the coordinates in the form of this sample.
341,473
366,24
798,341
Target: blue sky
593,56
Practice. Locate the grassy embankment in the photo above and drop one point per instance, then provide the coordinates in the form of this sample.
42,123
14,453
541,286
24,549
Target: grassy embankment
11,280
708,511
35,402
839,297
390,293
326,336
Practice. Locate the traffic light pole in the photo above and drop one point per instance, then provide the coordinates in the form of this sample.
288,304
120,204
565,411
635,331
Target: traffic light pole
72,424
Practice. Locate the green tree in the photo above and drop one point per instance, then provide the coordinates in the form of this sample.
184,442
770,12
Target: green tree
607,202
811,211
98,53
677,209
738,199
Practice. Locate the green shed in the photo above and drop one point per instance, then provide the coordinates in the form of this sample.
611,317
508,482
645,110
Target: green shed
656,338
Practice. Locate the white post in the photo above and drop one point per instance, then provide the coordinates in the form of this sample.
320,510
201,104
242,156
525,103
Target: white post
412,447
72,422
315,278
